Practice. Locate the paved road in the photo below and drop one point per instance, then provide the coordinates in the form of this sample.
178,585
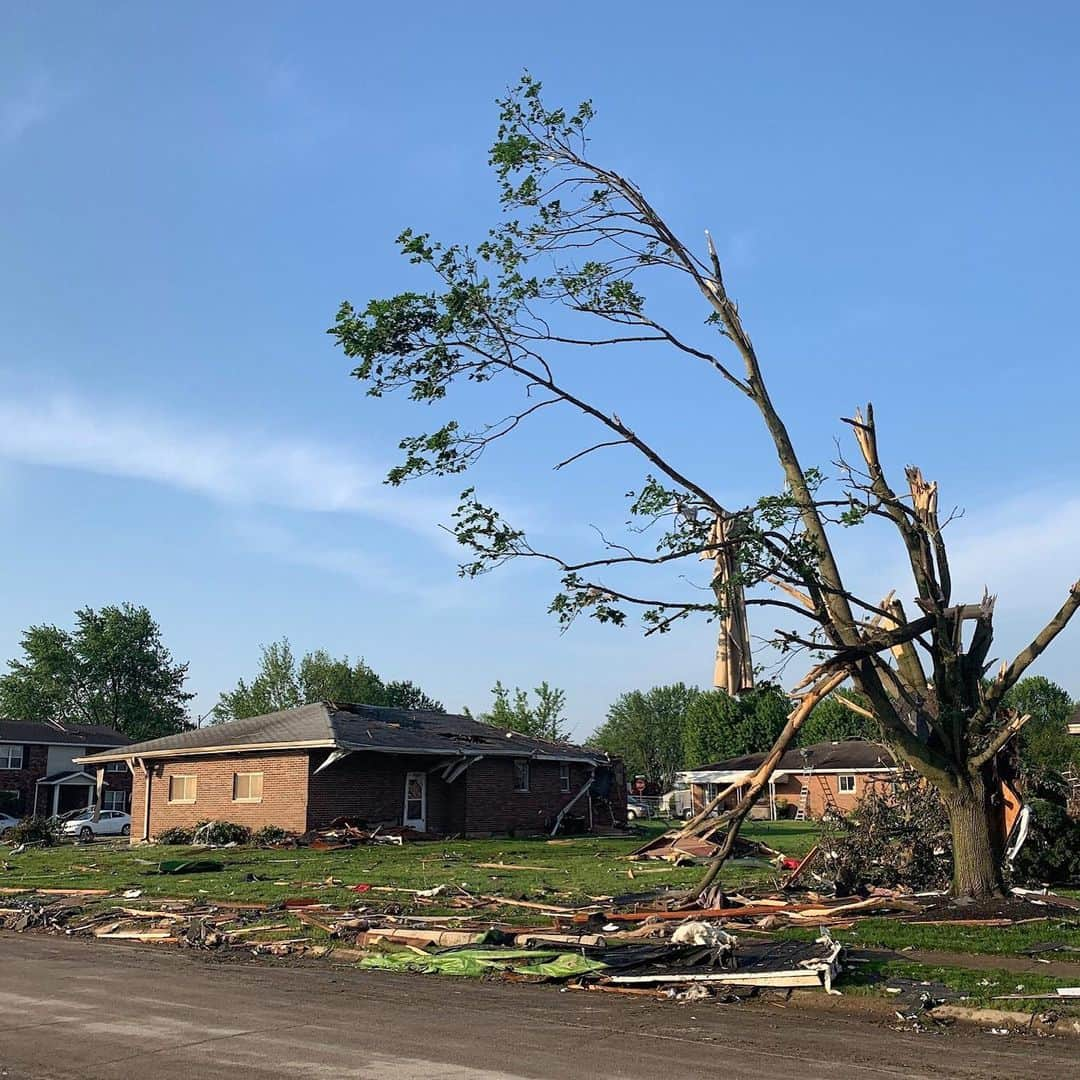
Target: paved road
70,1009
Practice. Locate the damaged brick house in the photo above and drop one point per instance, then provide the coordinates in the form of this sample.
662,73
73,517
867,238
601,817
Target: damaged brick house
40,776
808,781
302,768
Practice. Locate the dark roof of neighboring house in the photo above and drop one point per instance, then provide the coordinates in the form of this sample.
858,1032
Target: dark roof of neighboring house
834,756
88,735
357,727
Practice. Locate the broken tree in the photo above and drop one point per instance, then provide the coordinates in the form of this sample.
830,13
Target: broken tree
565,274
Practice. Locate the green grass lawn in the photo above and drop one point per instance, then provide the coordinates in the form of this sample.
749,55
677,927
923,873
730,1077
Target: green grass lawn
981,988
1016,940
567,873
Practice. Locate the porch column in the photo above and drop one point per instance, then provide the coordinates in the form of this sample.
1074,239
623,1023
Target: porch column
96,803
55,799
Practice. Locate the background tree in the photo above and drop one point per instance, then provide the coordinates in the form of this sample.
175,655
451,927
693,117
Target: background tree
1046,747
833,721
112,669
544,720
719,726
282,683
712,729
566,272
645,729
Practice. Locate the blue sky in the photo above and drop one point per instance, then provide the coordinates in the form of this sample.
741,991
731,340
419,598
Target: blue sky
189,193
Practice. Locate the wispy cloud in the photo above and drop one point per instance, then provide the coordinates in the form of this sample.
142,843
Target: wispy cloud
25,107
360,565
236,467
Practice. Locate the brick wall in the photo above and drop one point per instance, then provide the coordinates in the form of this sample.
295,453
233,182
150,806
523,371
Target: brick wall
364,787
24,781
493,807
284,796
369,788
788,790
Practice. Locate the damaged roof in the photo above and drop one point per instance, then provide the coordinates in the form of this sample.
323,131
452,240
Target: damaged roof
844,756
49,734
356,727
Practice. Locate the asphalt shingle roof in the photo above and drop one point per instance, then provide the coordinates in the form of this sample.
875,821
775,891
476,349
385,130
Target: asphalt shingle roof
365,727
88,735
848,754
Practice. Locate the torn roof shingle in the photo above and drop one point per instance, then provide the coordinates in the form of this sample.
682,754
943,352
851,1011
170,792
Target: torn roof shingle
359,727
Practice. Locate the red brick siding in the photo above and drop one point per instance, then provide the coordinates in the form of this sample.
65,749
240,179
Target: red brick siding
493,807
370,788
284,797
24,781
790,787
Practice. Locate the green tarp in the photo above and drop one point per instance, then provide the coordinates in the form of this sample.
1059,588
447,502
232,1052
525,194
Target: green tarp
189,866
545,963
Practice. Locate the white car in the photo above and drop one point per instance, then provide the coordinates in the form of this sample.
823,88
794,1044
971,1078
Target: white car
110,823
7,822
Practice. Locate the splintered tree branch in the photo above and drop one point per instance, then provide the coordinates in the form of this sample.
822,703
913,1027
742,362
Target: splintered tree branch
999,741
1010,673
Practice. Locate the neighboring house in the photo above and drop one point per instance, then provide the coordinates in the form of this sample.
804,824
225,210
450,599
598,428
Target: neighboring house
813,779
39,775
302,768
1074,723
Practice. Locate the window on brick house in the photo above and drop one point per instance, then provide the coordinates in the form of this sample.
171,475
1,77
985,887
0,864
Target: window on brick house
564,776
521,774
846,785
114,800
11,756
182,789
247,787
116,766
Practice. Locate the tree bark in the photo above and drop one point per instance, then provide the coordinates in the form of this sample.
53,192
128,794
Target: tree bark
976,845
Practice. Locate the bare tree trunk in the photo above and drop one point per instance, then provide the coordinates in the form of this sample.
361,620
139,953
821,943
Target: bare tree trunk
976,855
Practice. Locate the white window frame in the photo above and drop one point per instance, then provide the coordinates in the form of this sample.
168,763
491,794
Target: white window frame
115,766
194,786
564,776
9,750
840,781
521,764
236,787
109,795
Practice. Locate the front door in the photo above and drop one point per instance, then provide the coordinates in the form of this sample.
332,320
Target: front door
416,801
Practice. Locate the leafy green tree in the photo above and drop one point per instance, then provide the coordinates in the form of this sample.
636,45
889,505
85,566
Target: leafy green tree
712,730
832,721
645,729
544,720
1045,743
719,726
766,709
282,683
112,669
